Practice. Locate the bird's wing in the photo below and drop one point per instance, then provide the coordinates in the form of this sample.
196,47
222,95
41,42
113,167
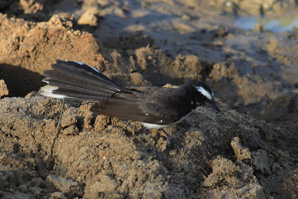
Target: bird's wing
162,105
148,107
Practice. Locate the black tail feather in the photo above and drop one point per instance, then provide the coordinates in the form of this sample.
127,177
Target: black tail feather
78,81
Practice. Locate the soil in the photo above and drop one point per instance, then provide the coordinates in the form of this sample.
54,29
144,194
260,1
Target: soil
248,150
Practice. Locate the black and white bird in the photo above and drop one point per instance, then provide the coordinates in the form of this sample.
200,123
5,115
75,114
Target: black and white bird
153,107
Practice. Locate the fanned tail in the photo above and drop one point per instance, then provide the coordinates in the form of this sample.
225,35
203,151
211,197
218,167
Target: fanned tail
79,81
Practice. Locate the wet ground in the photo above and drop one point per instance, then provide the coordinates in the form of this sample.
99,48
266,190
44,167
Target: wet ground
249,150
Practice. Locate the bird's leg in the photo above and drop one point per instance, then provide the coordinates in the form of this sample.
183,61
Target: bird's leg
58,125
146,134
153,146
60,116
172,141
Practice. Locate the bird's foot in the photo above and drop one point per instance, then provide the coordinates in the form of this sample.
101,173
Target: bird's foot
153,147
172,141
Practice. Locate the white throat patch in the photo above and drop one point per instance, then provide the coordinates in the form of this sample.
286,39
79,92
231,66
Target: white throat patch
204,92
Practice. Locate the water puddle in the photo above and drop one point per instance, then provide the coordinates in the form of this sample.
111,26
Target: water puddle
277,24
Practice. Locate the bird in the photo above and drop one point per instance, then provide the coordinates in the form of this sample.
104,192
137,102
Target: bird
153,107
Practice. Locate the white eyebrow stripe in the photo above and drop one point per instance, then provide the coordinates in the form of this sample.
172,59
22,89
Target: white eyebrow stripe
204,92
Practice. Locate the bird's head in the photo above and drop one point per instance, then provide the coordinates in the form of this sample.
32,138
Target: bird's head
203,94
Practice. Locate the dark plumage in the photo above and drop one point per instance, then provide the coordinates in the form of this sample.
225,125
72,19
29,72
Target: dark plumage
154,107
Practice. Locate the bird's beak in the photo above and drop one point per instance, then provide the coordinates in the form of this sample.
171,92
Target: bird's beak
214,105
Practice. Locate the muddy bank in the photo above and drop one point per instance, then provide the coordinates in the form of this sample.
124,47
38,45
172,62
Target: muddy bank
225,155
228,154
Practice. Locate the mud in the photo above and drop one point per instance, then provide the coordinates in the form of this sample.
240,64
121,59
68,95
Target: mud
249,150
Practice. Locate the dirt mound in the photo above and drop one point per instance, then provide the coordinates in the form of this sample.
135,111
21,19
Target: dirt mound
226,154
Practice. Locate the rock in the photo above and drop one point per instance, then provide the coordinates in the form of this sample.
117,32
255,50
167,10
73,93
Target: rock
231,179
90,17
58,195
3,88
69,117
261,161
69,187
241,152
